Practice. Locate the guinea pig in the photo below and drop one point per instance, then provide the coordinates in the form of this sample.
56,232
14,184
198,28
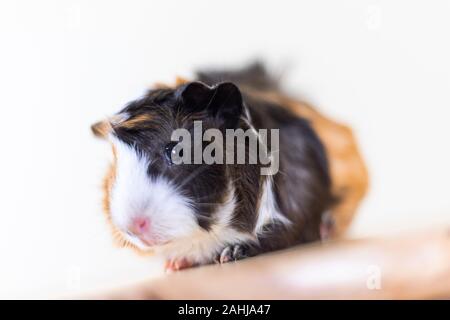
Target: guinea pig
200,213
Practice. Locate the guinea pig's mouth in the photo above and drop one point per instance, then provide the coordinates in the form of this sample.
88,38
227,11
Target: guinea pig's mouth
154,243
146,241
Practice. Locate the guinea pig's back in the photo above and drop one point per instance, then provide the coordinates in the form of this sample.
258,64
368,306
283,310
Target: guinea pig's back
321,166
302,185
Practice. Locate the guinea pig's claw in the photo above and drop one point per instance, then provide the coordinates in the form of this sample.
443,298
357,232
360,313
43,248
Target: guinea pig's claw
225,255
231,253
177,264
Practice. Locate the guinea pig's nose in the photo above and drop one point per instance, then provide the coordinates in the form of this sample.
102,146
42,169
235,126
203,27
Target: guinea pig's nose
140,225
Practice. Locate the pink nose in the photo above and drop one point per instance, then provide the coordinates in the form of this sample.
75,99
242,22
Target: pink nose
140,226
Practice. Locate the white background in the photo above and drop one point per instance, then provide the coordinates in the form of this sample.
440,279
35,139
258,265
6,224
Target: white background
381,66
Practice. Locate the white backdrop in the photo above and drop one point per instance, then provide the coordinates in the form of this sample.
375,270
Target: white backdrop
382,66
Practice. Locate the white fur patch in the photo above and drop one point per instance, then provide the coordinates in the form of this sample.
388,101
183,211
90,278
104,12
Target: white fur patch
268,211
135,194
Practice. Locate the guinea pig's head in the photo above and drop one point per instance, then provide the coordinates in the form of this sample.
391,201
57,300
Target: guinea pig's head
148,198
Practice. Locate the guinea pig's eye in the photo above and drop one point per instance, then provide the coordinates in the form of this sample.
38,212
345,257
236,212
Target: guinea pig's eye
171,152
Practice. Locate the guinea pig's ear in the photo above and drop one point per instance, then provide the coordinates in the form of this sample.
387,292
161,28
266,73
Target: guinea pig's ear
101,129
227,105
196,96
223,102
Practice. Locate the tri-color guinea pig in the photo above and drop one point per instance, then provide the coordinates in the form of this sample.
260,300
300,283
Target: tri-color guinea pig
195,214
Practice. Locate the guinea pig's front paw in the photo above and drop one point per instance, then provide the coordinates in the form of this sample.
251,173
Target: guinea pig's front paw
176,264
231,253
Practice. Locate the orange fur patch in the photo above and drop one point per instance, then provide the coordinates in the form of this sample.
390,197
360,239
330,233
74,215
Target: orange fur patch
136,121
101,129
178,82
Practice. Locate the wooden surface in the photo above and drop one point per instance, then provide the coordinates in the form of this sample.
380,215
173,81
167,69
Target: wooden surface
404,267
